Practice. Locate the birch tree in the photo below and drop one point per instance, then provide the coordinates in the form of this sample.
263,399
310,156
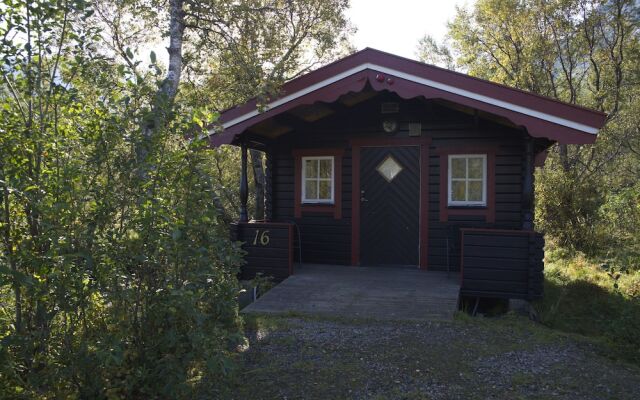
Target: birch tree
235,51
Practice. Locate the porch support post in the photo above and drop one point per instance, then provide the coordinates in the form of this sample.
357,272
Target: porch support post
244,185
268,190
527,186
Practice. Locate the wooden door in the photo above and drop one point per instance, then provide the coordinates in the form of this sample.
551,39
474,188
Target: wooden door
389,205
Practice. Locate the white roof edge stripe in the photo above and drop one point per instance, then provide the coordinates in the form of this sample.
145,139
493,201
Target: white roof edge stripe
424,81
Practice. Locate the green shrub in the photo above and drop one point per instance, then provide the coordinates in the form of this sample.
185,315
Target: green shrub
568,209
117,275
582,213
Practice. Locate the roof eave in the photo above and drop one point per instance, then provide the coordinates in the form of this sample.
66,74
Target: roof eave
541,116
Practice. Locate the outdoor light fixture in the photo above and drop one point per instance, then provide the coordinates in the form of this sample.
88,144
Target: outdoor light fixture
390,125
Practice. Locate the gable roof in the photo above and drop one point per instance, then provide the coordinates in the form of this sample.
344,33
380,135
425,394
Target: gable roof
541,116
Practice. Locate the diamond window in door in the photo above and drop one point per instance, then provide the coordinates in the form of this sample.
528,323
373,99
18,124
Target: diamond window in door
389,168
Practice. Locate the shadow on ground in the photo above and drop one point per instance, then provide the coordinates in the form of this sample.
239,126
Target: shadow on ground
582,307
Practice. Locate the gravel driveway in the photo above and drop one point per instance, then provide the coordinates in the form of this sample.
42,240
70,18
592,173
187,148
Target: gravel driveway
505,358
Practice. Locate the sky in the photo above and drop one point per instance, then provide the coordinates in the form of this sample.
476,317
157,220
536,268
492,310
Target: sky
396,26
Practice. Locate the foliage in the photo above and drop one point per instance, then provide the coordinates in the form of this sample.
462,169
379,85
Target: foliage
585,298
262,284
118,286
261,44
568,209
431,52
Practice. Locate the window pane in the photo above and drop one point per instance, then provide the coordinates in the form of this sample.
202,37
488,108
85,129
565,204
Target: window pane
311,189
389,168
458,168
458,191
325,169
475,191
476,167
311,169
325,190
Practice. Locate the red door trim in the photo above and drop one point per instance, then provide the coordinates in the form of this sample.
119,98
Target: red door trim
356,145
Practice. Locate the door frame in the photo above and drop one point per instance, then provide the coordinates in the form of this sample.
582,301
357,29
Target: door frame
356,146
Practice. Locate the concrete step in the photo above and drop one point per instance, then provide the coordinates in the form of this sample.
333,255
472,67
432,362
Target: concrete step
379,293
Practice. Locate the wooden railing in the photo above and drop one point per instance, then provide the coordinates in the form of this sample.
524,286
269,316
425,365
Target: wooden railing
501,263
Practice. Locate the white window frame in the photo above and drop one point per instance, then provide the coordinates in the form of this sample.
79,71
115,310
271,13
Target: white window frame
318,179
450,180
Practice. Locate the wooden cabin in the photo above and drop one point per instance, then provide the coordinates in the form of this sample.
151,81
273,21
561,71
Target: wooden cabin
379,160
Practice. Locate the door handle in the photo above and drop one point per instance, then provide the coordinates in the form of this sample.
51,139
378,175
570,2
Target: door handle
362,199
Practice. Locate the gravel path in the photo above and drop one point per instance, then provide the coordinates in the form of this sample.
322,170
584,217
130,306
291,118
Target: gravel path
507,358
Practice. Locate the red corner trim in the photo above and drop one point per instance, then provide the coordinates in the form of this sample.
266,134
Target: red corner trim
489,212
336,207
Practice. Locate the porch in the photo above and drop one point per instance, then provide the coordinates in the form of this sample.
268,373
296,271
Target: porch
363,292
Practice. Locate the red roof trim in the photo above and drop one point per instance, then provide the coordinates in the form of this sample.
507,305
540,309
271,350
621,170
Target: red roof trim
542,116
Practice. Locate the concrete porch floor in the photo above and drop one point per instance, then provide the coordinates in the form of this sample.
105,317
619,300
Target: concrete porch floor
363,292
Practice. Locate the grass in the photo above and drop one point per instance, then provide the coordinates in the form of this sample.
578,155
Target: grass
423,360
580,297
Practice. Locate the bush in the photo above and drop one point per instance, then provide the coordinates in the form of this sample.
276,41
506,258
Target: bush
117,275
139,299
568,209
584,214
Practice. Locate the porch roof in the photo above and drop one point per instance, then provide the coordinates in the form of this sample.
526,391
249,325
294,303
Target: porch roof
541,116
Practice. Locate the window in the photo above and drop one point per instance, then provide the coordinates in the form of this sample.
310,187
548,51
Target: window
389,168
317,179
468,180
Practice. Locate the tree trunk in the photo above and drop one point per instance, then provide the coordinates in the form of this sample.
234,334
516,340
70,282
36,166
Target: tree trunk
564,157
4,202
166,94
244,185
259,181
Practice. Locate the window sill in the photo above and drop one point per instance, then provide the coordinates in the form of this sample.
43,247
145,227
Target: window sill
467,207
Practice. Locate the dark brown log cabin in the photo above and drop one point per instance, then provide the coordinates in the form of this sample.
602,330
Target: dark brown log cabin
380,160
